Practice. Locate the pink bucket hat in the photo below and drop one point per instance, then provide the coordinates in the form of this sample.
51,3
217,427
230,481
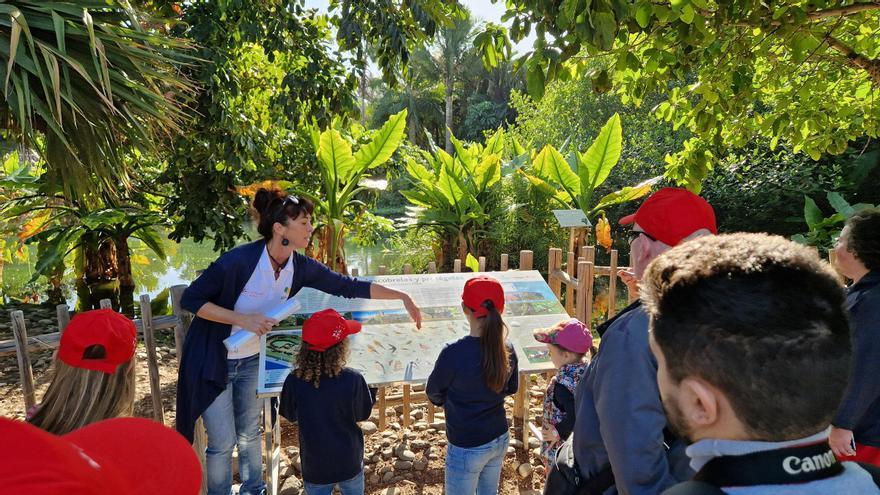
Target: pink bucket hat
572,335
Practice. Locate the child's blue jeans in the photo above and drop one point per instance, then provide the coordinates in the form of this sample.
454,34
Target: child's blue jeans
475,469
354,486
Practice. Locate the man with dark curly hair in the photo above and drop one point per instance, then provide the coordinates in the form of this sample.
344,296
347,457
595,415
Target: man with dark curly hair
753,350
856,432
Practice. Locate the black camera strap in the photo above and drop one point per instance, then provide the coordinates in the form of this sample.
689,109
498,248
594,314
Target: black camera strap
791,465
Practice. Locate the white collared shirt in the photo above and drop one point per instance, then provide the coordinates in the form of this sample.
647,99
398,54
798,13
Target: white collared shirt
261,293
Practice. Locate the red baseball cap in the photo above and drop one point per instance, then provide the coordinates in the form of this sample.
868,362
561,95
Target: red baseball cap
480,289
327,328
572,335
104,327
671,214
134,456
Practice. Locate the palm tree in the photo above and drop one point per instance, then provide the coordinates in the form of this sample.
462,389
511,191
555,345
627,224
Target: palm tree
83,82
445,56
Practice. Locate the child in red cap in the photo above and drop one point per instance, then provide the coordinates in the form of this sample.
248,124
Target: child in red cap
93,377
568,342
470,379
130,456
327,400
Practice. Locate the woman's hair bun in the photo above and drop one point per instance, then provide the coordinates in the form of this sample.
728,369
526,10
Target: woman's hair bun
264,198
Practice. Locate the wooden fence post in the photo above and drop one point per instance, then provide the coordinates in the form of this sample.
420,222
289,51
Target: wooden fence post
25,372
612,284
355,272
184,317
584,270
382,269
407,270
571,270
152,361
432,268
63,314
526,259
456,266
554,262
505,260
482,264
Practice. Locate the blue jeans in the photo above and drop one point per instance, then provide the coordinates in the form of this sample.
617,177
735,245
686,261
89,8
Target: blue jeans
354,486
475,469
233,419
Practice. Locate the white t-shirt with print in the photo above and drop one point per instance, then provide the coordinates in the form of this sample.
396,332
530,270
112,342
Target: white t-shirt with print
261,293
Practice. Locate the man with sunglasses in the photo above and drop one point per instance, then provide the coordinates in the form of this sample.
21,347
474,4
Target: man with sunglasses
620,443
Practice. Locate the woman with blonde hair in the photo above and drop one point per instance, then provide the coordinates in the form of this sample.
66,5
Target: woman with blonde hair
93,377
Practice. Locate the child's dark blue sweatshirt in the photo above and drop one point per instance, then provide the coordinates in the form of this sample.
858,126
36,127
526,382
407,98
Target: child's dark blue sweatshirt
331,443
474,414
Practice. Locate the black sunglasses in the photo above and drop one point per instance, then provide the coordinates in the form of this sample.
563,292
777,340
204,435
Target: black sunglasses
281,210
632,235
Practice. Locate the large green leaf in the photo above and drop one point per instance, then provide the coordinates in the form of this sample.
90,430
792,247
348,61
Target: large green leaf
559,195
334,154
384,143
495,144
463,155
840,205
812,213
596,164
487,173
450,186
628,193
106,218
150,236
551,166
418,171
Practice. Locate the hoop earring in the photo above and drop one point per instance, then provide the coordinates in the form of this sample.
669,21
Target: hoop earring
284,241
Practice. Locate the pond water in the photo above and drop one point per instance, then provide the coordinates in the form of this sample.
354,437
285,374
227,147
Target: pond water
152,275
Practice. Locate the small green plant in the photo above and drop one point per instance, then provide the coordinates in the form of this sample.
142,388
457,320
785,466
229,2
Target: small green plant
824,230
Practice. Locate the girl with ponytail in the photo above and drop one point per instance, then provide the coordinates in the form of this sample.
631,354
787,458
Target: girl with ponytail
470,379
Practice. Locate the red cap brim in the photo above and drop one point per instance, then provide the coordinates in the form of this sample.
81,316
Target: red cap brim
628,219
150,457
353,326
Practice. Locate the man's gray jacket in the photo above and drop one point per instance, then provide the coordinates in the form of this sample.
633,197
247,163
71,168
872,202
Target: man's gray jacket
620,418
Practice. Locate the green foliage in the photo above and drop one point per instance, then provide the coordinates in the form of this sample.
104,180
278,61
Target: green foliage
60,230
482,117
342,172
759,189
391,27
411,246
572,112
824,230
269,69
85,80
456,195
525,222
572,182
805,75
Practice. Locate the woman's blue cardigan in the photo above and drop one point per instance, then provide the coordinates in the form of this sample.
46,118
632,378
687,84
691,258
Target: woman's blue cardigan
202,375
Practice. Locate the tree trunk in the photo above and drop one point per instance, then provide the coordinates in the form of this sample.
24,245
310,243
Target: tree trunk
462,247
123,262
100,263
450,81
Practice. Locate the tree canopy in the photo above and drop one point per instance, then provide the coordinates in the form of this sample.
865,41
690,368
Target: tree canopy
806,74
